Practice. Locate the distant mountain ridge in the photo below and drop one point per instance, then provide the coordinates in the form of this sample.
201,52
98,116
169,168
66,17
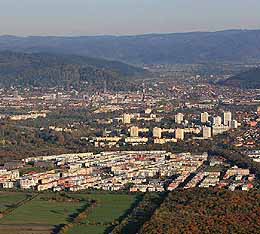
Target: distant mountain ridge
50,70
193,47
248,79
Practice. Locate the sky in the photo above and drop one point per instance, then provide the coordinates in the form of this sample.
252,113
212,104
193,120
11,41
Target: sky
125,17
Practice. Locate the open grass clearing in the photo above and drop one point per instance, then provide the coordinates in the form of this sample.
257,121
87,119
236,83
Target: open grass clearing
10,199
43,212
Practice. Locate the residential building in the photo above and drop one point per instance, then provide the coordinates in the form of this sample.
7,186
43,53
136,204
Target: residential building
134,131
179,118
204,117
234,124
179,134
126,118
206,131
157,132
227,117
217,121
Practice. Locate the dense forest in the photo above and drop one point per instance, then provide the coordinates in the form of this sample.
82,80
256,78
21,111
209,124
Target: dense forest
49,70
17,141
206,211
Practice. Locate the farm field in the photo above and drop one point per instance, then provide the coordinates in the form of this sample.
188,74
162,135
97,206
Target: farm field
26,229
109,209
10,199
88,229
42,214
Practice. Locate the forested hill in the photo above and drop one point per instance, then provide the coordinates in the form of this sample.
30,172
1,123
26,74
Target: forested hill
48,70
249,79
194,47
205,211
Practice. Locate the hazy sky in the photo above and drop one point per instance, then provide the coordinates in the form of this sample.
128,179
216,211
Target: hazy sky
91,17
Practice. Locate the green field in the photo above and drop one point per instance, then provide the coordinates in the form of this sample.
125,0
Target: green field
43,214
8,200
110,207
88,229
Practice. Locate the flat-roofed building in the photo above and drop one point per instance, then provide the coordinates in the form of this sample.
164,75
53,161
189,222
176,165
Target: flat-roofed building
179,118
219,129
157,132
227,118
217,121
206,131
179,134
126,118
134,131
204,117
234,124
